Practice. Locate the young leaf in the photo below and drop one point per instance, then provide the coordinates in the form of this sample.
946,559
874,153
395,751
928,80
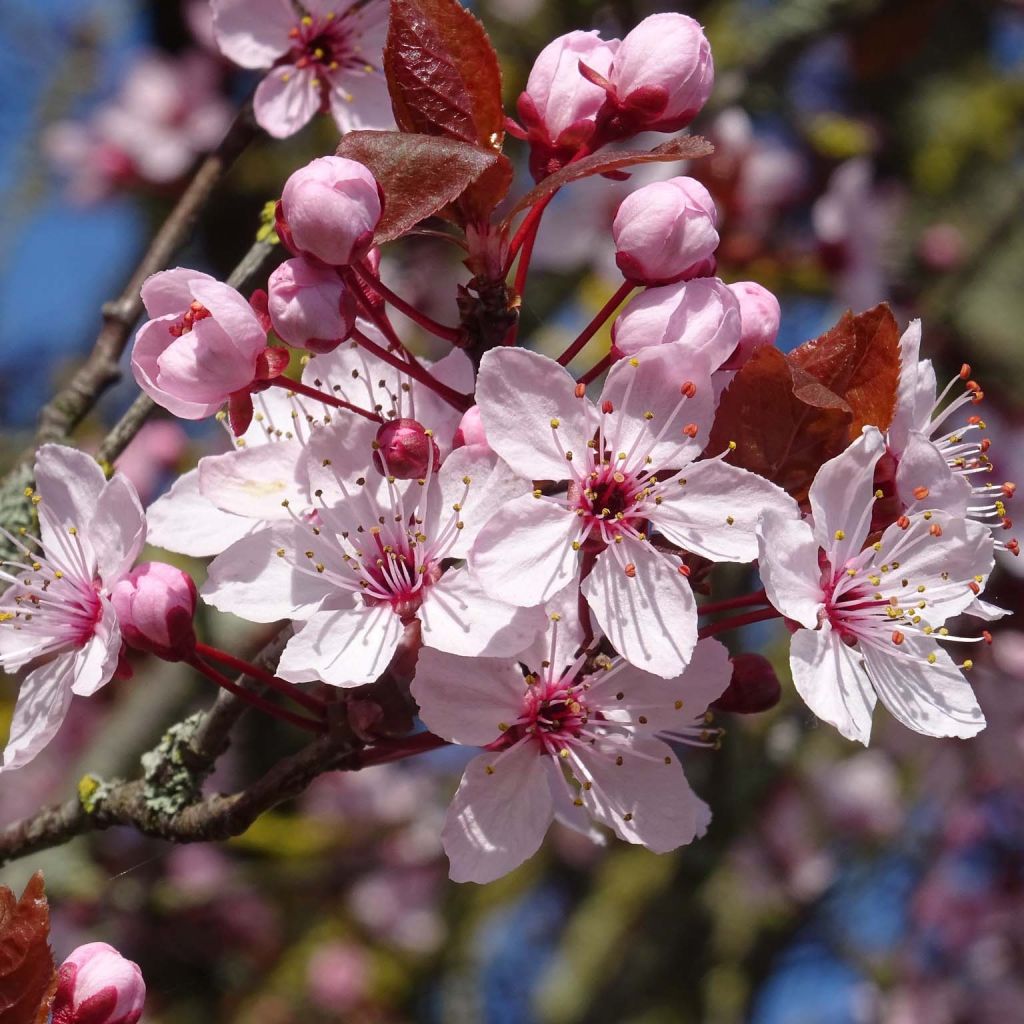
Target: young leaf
443,74
28,976
685,147
419,174
785,423
859,360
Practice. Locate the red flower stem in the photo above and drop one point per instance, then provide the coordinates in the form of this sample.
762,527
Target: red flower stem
531,226
451,334
290,690
255,699
388,750
737,621
527,231
417,372
321,396
378,315
733,602
597,369
595,325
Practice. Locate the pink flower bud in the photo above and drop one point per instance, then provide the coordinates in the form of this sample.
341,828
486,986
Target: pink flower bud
405,449
760,314
471,429
200,345
754,686
98,986
559,107
329,209
155,604
665,231
703,313
663,72
309,306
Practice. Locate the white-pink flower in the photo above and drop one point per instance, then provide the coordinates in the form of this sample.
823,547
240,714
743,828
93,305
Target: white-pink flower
872,618
566,741
629,472
371,559
56,617
326,60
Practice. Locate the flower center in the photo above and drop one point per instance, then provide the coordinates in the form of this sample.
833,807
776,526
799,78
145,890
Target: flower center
325,44
611,499
195,312
554,714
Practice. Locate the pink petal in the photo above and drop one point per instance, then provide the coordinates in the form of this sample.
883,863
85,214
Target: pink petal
235,317
253,33
520,394
466,700
650,618
254,482
117,529
346,647
524,554
69,484
932,699
921,464
561,639
202,364
497,819
715,514
151,342
286,100
96,662
458,617
788,564
830,678
43,701
456,370
169,292
361,101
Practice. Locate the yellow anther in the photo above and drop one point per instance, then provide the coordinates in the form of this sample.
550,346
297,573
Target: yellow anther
555,423
489,769
555,617
932,658
840,535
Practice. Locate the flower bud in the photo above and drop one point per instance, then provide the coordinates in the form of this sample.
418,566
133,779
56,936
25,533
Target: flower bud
665,231
201,344
471,429
309,306
663,72
329,209
760,314
96,985
406,450
703,313
754,686
155,604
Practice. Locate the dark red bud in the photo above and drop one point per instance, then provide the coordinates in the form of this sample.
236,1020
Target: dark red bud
405,450
754,686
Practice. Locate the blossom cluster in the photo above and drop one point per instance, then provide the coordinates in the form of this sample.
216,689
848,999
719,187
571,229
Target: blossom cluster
524,553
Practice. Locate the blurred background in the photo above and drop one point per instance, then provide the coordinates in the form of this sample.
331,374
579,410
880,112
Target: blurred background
866,150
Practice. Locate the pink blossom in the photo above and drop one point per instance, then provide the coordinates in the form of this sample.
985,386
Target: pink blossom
309,306
666,231
326,60
155,450
56,617
559,106
662,72
565,742
760,315
98,986
628,463
329,209
155,604
872,618
703,315
201,344
338,977
372,562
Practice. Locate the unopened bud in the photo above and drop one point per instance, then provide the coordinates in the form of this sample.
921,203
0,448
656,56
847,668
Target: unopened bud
96,985
754,686
760,315
154,605
309,306
405,450
471,430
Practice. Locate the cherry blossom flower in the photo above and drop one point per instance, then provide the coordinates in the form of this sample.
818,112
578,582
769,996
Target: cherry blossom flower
326,60
629,465
56,617
565,741
872,618
371,561
99,986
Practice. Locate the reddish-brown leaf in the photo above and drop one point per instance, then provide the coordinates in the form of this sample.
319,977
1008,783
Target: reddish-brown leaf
419,174
28,976
784,422
685,147
443,74
859,360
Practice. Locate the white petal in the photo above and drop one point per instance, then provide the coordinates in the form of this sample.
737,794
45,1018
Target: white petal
286,100
567,812
830,678
715,513
842,496
788,564
497,819
117,529
650,618
43,701
69,483
904,418
96,661
520,394
466,700
252,33
344,647
253,482
935,699
560,639
458,617
921,464
524,554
